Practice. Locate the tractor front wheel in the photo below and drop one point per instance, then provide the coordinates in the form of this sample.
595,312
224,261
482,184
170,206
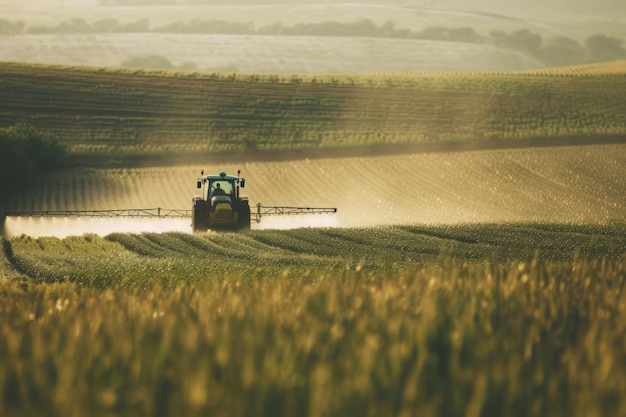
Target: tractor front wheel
199,215
244,216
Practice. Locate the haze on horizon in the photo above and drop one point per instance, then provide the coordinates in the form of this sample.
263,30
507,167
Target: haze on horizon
49,34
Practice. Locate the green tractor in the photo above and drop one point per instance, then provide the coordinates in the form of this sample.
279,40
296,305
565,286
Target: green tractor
220,206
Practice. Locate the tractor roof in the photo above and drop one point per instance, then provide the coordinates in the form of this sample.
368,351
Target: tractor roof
222,176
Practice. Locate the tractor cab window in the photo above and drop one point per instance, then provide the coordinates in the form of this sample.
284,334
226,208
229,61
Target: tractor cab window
221,187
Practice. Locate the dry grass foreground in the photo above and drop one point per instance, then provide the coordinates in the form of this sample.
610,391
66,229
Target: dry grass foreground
510,320
540,338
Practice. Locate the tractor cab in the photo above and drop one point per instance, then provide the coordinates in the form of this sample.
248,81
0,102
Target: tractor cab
220,204
220,187
221,191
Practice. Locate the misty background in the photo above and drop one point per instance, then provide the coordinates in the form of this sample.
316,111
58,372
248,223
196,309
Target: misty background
314,37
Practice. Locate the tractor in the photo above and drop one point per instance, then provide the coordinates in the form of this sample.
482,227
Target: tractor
221,206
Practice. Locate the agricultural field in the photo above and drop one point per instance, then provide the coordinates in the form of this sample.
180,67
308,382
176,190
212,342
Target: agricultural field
548,18
313,54
459,311
510,320
615,67
264,54
475,266
582,184
105,116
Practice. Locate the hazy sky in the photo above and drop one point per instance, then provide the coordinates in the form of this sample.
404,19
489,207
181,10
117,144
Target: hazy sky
574,19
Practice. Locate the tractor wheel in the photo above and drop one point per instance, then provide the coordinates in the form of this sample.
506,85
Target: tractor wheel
244,216
199,215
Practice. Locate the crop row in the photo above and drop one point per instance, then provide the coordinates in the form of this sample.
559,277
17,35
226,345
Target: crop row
560,184
509,339
129,259
127,114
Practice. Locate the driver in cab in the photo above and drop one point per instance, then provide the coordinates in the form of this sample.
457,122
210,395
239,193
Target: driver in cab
218,190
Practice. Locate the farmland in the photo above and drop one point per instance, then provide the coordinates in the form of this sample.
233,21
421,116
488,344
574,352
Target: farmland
466,273
263,54
510,320
277,36
582,184
502,318
111,115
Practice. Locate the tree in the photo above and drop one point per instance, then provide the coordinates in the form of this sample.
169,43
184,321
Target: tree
148,61
26,152
11,28
522,40
561,51
525,40
604,48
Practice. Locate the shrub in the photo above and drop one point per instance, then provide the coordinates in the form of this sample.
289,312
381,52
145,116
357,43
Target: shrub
26,152
148,61
562,51
605,48
11,28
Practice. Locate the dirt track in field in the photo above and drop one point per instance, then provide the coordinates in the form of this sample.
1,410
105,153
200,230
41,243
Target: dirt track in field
537,184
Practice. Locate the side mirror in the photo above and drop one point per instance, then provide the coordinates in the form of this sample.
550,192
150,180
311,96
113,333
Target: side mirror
199,184
242,183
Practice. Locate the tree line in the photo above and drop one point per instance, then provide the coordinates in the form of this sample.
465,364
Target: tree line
603,3
26,152
559,50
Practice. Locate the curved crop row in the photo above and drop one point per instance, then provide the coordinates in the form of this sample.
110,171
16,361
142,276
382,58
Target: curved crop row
131,259
127,115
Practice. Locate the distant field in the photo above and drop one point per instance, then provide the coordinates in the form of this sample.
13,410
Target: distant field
351,53
583,184
616,67
547,18
109,115
408,16
310,55
264,54
488,281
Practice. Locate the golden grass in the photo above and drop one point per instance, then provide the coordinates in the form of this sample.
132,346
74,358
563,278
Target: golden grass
514,339
612,67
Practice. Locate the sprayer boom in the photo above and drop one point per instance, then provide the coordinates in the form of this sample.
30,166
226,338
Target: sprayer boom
150,212
262,210
172,213
218,206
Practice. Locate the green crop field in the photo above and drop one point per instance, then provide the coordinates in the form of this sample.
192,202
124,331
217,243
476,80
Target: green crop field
466,272
510,320
109,115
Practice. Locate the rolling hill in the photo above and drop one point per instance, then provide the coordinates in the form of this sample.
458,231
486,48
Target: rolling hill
578,184
111,115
